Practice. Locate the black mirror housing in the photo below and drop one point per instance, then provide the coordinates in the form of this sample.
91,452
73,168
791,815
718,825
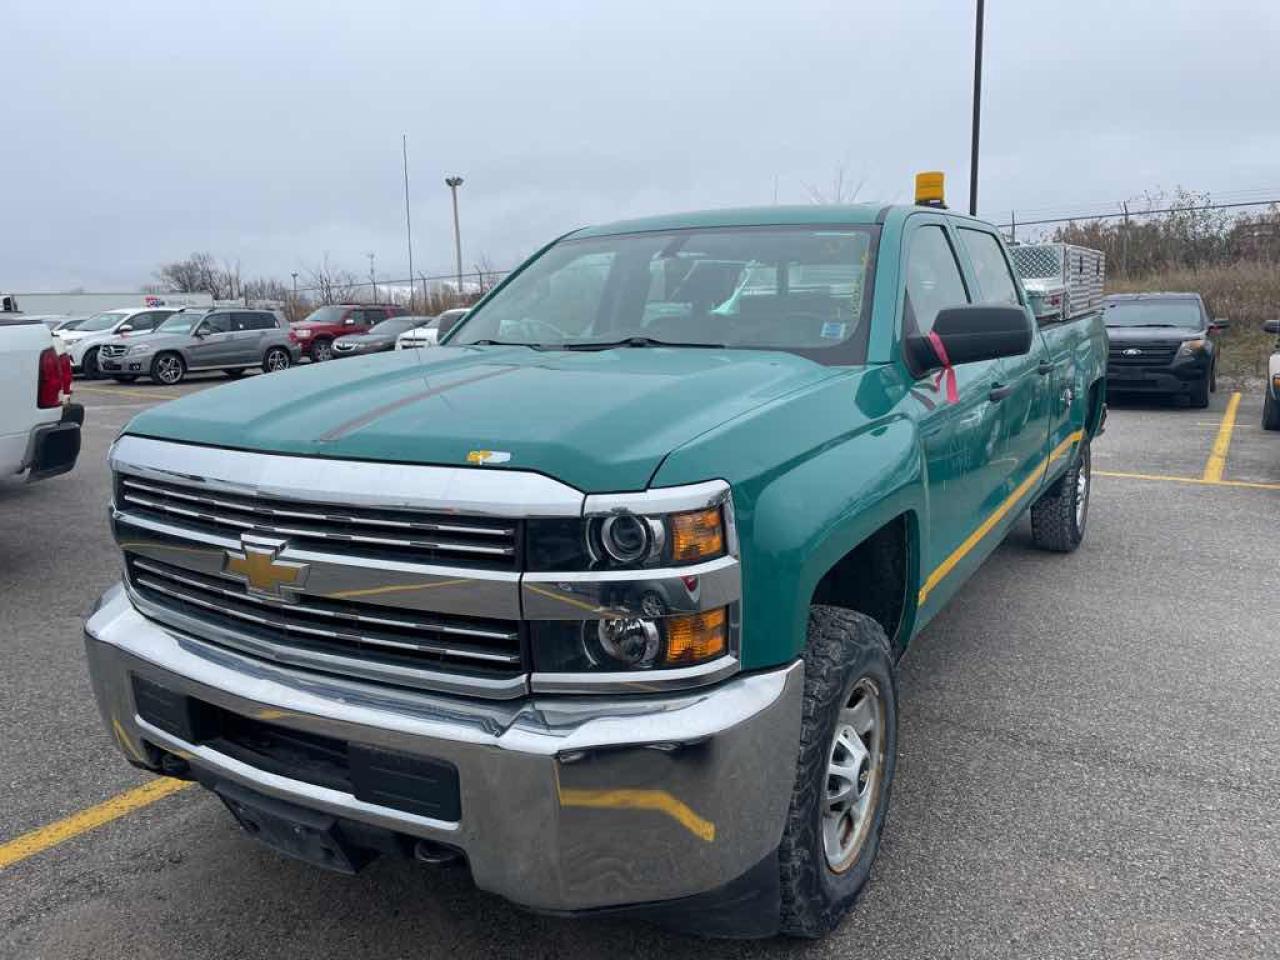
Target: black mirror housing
972,333
1271,326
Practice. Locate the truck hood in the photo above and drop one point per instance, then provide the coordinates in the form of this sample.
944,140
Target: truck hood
599,421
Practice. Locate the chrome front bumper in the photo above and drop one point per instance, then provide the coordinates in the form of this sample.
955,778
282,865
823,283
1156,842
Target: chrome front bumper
567,803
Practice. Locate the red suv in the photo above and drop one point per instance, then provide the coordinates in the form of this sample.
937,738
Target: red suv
315,335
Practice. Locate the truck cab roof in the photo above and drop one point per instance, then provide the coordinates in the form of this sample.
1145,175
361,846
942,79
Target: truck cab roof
806,215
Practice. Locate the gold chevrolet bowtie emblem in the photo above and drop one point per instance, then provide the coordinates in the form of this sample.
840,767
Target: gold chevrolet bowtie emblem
255,565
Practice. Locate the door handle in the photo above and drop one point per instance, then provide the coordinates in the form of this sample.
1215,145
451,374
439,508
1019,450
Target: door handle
1045,368
999,392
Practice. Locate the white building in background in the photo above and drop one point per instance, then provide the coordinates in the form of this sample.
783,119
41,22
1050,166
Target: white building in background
85,304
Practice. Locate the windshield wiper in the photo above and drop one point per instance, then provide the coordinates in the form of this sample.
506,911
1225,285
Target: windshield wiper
502,343
639,342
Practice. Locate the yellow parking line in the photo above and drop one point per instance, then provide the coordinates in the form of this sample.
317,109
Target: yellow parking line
1199,481
1222,443
42,838
125,393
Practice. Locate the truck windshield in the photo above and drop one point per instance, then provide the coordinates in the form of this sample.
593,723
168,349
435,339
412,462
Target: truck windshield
801,289
101,321
1155,313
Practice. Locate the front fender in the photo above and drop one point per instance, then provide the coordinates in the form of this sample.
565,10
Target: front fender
813,475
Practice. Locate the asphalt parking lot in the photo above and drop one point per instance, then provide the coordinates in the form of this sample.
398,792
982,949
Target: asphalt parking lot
1090,751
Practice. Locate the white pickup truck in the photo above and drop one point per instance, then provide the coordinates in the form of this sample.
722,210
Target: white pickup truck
39,425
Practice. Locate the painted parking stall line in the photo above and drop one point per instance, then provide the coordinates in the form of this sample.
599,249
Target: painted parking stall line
60,831
1217,463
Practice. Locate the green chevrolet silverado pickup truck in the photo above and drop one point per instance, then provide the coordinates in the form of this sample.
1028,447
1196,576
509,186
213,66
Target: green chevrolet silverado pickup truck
604,597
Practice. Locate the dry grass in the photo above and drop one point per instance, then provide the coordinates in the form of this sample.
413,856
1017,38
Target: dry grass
1246,293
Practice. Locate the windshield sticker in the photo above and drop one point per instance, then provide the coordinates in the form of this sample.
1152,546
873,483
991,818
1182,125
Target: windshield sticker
488,456
834,331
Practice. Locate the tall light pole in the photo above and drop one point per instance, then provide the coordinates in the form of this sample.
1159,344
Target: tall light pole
453,183
408,228
977,111
295,294
373,282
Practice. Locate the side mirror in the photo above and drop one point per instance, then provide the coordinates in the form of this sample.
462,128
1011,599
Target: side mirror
969,334
200,332
124,328
446,324
1217,324
1271,326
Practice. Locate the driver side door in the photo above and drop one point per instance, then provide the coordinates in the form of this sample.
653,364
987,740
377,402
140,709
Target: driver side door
959,436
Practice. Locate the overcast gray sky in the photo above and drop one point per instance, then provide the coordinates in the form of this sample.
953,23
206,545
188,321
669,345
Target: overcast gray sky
268,131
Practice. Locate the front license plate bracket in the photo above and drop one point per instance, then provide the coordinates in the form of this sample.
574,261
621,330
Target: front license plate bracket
295,831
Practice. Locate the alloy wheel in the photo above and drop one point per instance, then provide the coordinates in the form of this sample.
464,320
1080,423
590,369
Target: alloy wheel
855,773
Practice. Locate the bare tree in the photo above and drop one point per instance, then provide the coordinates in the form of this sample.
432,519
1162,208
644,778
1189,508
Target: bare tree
330,284
840,192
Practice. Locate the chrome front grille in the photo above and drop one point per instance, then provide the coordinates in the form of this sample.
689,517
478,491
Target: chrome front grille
357,638
113,351
390,534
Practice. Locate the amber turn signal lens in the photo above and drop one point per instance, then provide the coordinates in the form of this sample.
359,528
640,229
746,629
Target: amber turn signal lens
696,535
696,637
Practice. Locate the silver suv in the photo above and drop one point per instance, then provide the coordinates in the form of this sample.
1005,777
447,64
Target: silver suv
231,340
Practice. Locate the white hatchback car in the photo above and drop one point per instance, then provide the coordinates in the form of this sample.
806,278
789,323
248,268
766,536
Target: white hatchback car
428,335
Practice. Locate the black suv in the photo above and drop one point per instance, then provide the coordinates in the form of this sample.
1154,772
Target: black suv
1162,343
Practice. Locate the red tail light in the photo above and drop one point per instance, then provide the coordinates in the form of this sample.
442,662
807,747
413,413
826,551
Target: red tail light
64,361
49,386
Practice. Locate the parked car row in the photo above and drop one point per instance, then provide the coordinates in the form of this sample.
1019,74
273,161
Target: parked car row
165,344
352,330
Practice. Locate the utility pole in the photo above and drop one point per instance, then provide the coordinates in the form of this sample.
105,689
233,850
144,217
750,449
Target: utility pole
408,227
453,183
295,294
977,111
1124,241
373,282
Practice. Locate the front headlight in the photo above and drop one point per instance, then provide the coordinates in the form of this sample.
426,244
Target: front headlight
1190,348
641,582
628,541
622,644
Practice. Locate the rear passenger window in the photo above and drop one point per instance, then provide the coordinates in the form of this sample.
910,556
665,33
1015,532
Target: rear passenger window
934,281
995,279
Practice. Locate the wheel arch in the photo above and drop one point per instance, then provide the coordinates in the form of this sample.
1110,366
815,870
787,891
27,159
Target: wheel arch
879,576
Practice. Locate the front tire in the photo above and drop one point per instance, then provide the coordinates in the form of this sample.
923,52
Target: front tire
321,351
844,771
168,368
1270,412
235,373
1199,396
90,365
1059,517
276,359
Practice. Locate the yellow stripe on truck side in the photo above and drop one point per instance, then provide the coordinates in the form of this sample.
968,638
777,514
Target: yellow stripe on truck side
984,528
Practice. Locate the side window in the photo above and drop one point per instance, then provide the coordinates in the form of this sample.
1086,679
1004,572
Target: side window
352,318
217,323
995,280
146,321
934,281
374,316
262,321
